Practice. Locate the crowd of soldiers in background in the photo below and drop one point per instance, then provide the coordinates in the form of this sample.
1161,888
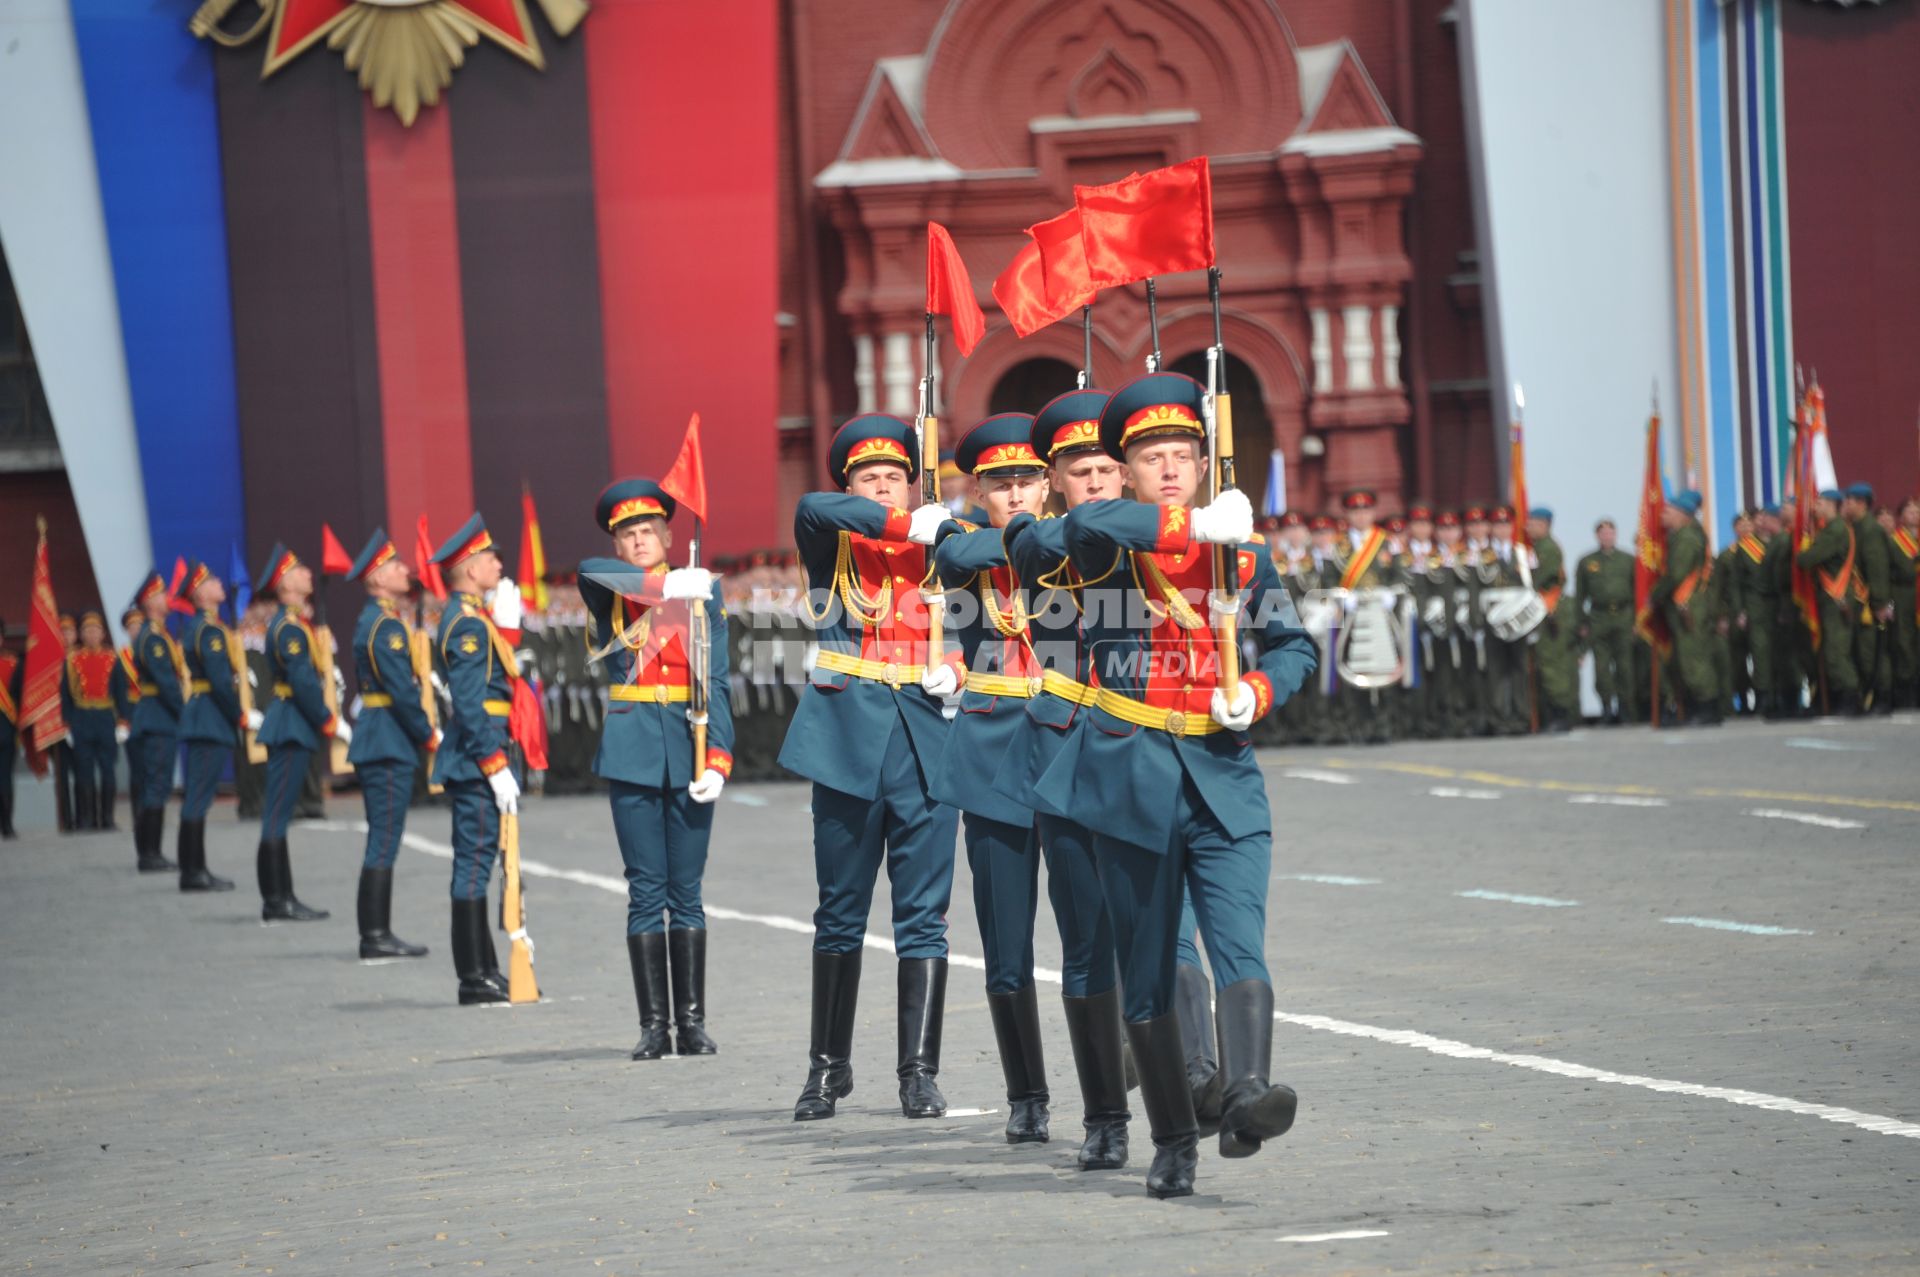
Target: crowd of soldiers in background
1442,667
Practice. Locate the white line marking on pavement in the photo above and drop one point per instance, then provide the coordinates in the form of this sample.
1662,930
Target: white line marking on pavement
1815,742
1545,902
748,800
1331,880
1324,1024
1616,800
971,1112
1805,818
1751,928
1448,791
1351,1234
1325,778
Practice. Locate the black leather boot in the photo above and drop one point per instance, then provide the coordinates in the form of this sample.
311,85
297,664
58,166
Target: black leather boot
1193,1007
836,992
647,955
152,860
1161,1059
1253,1111
469,954
1016,1028
284,906
85,814
106,800
375,910
923,1006
687,958
194,874
1093,1026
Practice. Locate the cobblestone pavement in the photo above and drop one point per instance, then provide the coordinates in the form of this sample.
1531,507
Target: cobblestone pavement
1611,1002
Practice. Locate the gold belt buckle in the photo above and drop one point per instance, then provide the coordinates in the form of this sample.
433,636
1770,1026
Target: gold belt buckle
660,693
1176,722
890,675
1034,684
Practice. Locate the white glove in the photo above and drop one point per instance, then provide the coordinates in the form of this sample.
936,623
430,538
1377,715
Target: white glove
1238,716
1224,602
927,521
708,787
122,733
341,732
255,720
506,790
506,604
1228,521
941,681
687,583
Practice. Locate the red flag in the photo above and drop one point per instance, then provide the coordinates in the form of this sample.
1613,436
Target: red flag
423,565
334,559
1063,261
1158,223
174,602
1021,291
687,481
41,723
1518,467
527,724
1650,548
950,289
533,554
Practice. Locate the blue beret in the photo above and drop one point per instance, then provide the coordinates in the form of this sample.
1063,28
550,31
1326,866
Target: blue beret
874,436
1861,492
1160,403
280,561
1003,442
470,540
1541,513
1689,501
625,500
1831,494
379,549
1069,422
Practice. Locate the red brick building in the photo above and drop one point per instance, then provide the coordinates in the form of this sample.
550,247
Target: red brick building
1341,205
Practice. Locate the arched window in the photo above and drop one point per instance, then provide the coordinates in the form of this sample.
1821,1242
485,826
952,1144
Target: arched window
1028,385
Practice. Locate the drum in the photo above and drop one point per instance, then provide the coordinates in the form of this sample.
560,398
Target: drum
1513,612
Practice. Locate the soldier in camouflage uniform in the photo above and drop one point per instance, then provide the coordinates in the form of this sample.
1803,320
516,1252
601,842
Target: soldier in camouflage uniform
1792,655
1873,592
1684,594
1603,603
1902,561
1749,642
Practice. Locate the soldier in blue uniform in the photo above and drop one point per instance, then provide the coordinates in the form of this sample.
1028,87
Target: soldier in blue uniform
868,732
386,745
662,802
1164,774
1002,675
160,672
126,694
294,725
86,695
478,668
212,722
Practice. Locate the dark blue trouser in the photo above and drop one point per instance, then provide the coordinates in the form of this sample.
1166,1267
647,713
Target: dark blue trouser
1188,946
663,843
1005,861
136,769
286,773
156,769
205,762
1079,907
1228,881
93,760
476,837
902,828
386,787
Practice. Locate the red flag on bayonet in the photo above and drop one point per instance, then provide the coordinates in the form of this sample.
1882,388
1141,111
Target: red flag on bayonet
1517,463
41,724
334,559
1063,262
687,481
1650,547
1158,223
533,554
1021,292
950,289
423,565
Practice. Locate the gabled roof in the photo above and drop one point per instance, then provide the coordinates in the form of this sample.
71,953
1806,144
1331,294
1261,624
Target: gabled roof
1341,110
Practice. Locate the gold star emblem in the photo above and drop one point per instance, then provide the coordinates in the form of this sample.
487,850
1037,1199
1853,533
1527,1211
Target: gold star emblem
293,648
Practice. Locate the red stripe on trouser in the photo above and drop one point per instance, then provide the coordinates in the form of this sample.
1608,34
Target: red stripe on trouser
417,308
688,223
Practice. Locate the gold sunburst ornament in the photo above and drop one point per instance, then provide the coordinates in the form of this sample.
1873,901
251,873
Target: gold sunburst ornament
403,51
